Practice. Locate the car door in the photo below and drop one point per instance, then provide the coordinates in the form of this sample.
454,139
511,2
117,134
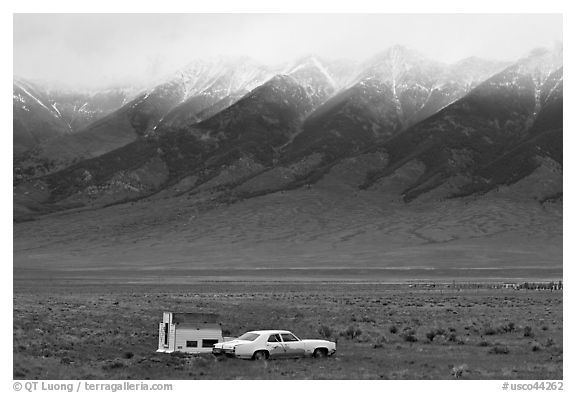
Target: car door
292,345
275,346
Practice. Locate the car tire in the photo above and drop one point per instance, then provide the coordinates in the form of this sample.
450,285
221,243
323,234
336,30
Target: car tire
320,353
260,355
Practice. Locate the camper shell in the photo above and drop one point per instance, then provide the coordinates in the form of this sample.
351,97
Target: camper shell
189,332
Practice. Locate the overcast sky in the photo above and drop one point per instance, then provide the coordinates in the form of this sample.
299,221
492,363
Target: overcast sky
95,50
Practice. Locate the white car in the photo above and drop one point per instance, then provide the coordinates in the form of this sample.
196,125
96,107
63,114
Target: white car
264,344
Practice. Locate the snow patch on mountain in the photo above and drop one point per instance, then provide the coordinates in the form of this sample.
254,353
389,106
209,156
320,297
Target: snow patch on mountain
33,97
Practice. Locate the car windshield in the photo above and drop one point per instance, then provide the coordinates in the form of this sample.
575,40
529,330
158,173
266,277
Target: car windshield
249,336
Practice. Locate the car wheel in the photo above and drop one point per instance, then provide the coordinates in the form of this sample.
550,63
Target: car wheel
320,353
260,355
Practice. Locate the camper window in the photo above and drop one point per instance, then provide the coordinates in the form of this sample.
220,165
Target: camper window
209,343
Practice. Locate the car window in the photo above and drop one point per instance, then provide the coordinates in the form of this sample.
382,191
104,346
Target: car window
286,337
249,336
273,338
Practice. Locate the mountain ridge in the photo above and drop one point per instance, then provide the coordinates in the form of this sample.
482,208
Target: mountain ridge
281,136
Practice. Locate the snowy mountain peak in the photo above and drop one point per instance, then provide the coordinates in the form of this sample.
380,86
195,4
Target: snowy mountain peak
399,56
309,67
399,63
540,63
223,74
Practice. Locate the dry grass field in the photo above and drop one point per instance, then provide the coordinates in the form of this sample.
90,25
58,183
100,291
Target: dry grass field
109,331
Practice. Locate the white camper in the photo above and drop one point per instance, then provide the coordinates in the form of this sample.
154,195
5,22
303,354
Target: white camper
189,332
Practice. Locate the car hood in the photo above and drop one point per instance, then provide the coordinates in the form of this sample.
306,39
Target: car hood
327,343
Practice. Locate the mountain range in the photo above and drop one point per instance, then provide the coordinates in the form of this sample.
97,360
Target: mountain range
398,129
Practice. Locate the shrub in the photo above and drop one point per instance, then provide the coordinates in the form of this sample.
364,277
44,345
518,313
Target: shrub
409,335
203,362
506,328
128,355
351,333
380,341
364,339
435,332
221,358
528,331
410,338
490,331
179,355
483,343
459,371
499,350
113,365
325,331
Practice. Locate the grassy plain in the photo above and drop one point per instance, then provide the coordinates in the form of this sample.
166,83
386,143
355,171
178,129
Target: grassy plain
79,330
